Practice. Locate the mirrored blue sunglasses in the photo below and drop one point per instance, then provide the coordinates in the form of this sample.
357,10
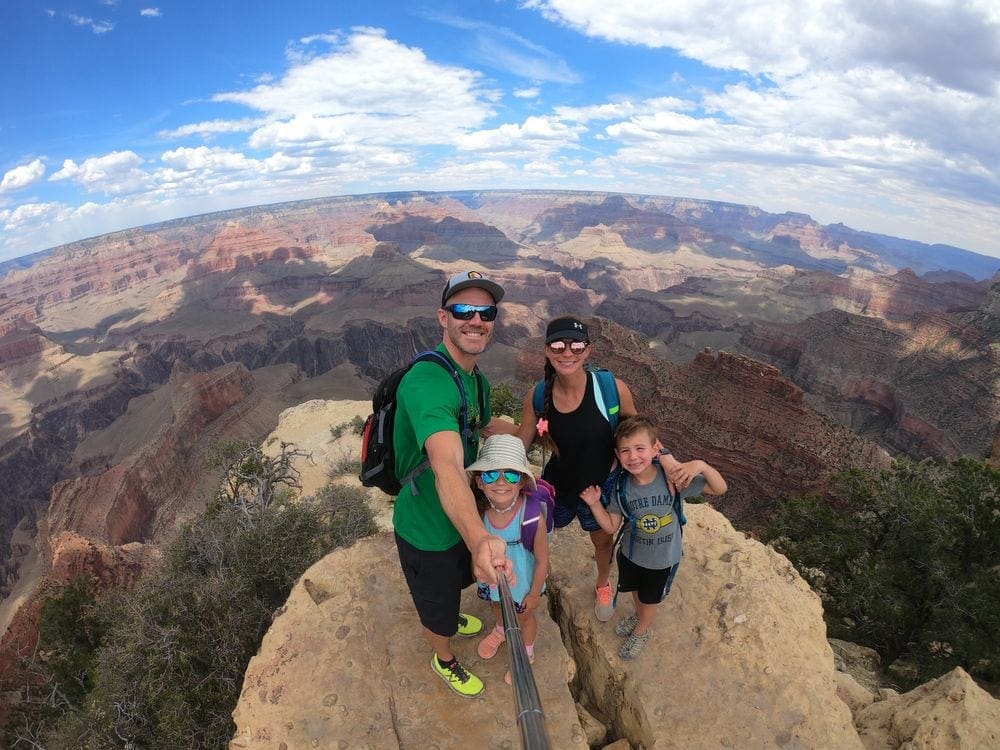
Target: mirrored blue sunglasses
509,475
462,311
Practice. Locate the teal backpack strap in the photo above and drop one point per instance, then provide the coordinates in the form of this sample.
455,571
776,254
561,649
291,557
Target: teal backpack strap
538,399
606,394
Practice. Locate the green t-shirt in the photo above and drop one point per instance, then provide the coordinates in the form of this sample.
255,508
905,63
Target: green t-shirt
428,402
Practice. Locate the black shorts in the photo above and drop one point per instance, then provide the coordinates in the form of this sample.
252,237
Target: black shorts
651,585
436,580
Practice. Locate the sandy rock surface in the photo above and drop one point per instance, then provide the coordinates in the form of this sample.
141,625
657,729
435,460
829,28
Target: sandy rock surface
345,666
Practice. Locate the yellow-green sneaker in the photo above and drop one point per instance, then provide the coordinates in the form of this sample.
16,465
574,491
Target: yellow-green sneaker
459,679
469,625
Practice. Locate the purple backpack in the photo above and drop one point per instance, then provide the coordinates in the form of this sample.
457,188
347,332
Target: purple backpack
538,504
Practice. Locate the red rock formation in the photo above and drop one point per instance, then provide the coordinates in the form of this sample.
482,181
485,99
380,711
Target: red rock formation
738,414
19,345
106,567
930,381
121,504
899,296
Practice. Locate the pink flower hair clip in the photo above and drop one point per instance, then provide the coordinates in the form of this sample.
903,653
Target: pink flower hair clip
542,427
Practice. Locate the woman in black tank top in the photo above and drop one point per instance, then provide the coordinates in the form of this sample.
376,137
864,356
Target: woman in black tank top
572,427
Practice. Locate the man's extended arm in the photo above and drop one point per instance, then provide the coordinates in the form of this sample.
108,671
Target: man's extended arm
444,449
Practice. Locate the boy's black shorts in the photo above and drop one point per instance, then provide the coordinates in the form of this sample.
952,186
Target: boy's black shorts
651,585
436,580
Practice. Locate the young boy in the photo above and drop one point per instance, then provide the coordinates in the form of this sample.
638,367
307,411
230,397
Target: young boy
653,507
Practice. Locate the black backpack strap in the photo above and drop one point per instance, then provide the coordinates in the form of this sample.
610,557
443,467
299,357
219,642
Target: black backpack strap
468,429
465,429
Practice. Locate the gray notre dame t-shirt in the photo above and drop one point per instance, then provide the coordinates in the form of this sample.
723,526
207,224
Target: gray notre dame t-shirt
656,543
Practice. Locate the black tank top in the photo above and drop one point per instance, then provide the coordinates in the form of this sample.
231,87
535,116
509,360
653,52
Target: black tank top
585,442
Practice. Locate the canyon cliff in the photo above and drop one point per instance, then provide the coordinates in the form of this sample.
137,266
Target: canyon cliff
738,659
778,349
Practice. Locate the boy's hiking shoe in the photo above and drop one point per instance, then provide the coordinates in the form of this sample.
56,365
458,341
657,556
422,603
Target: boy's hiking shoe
633,645
458,678
604,606
489,646
626,625
469,625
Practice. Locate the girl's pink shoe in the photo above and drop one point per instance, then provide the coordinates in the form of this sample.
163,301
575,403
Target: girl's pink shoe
489,646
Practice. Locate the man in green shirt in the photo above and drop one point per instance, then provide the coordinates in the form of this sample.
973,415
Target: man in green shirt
442,542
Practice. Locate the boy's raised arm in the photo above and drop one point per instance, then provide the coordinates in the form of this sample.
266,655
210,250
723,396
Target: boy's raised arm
714,483
608,521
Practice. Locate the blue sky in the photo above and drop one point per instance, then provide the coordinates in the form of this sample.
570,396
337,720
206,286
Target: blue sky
117,113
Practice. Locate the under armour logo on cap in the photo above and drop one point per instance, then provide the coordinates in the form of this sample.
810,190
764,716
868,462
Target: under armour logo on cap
566,328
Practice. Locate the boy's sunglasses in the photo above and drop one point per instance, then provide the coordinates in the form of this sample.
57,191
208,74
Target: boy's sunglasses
491,476
462,311
558,347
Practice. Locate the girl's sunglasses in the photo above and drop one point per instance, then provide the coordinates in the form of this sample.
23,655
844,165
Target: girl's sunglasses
462,311
509,475
558,347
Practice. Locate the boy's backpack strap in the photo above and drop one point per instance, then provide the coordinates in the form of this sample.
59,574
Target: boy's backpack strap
606,394
464,429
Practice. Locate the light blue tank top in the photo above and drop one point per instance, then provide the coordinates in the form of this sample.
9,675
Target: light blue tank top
523,561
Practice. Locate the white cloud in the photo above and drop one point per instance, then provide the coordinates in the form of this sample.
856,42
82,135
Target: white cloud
528,93
547,168
114,174
535,133
209,163
907,88
150,12
98,27
21,177
955,44
211,127
528,64
502,49
620,109
29,214
368,89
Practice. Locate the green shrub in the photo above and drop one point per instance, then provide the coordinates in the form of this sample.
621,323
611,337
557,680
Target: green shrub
906,562
503,401
358,425
162,666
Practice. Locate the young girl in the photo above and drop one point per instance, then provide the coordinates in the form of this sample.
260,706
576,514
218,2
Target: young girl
500,478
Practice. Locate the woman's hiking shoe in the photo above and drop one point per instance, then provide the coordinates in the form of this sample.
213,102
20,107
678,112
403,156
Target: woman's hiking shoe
626,625
459,679
469,624
604,606
633,645
489,646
